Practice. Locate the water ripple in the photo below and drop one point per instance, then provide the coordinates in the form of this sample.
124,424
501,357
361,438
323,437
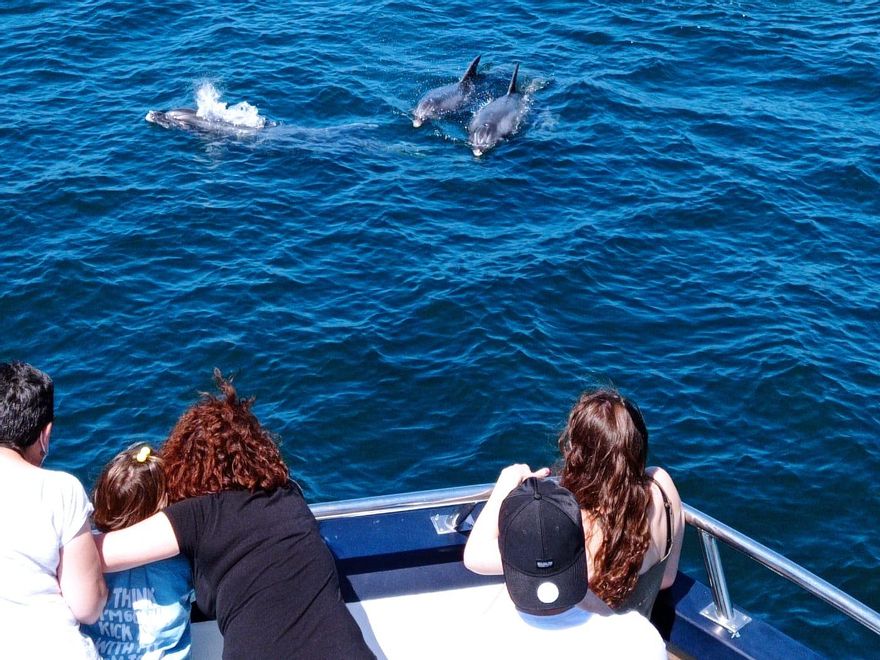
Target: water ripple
689,212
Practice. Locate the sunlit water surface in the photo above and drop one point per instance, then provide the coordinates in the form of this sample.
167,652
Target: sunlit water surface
689,211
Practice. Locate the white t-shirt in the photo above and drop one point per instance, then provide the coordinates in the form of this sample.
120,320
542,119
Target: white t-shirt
505,632
41,511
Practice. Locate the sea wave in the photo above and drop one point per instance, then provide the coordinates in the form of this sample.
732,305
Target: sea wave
688,212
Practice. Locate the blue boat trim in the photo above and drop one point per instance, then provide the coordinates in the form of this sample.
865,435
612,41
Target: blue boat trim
400,553
388,546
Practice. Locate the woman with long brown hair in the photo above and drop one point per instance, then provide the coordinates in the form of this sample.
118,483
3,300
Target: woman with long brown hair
632,514
259,563
633,520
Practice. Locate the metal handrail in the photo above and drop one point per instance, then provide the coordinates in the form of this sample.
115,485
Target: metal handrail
785,567
758,552
425,499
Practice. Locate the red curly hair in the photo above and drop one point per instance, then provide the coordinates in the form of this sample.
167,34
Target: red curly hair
605,448
218,444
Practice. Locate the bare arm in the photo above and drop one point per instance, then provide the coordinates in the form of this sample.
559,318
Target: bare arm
149,540
481,553
662,477
80,578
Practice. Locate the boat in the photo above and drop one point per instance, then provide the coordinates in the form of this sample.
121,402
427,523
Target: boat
402,577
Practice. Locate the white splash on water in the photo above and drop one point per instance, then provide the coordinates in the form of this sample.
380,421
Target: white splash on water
210,107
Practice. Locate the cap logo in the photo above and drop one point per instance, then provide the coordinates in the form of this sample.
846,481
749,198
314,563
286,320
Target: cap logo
544,563
547,592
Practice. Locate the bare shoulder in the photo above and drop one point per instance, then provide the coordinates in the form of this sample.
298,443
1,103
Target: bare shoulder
661,477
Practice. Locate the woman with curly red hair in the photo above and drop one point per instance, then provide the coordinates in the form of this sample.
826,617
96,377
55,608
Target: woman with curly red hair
633,519
259,563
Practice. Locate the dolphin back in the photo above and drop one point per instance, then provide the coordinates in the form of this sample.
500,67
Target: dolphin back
512,88
471,72
497,119
188,119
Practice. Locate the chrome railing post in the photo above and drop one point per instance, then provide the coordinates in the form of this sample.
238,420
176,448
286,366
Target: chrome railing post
721,610
785,567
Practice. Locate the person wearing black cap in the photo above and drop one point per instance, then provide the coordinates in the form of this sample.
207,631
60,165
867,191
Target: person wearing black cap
539,538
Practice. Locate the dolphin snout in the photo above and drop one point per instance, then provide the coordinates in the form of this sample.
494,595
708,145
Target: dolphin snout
420,114
159,118
482,140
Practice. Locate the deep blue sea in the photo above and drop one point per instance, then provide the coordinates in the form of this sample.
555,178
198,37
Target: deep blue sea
690,211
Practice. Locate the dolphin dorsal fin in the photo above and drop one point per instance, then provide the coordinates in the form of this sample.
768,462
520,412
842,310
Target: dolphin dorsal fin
471,72
512,88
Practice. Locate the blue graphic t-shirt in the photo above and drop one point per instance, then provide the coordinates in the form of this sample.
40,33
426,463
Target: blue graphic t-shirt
147,613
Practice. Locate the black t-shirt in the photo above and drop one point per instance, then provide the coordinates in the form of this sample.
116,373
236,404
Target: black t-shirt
262,569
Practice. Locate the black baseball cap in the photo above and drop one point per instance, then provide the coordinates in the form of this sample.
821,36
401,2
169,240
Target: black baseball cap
541,537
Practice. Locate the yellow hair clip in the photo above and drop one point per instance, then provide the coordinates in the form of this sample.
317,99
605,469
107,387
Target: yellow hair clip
143,454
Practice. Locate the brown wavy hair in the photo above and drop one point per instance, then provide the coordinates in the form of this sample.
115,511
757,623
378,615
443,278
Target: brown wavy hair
218,444
604,447
131,488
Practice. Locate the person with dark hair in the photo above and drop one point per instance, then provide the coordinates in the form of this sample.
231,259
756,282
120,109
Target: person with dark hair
50,572
148,612
633,518
632,514
259,563
549,609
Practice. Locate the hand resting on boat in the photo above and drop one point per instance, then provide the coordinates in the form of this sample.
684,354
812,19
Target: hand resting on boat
481,553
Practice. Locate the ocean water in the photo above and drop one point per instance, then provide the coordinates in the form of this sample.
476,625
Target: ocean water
689,211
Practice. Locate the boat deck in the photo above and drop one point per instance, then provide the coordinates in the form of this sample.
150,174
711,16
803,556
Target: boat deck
402,627
401,574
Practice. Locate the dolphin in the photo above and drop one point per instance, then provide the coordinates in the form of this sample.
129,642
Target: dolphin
496,120
188,119
449,98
